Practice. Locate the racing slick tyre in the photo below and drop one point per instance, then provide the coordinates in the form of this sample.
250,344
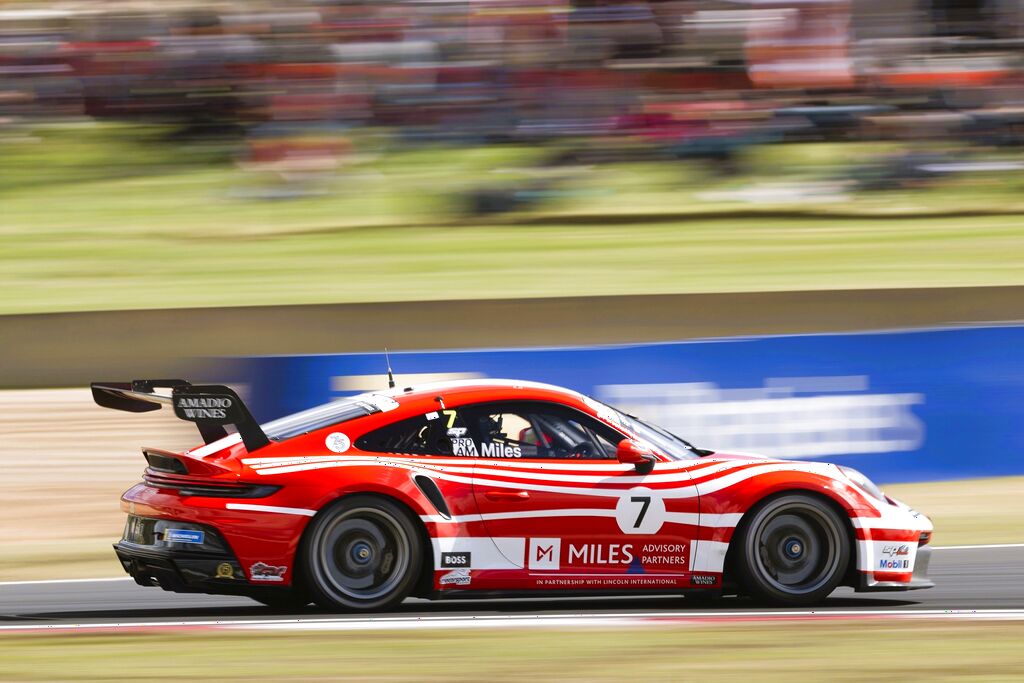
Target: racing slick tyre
794,550
363,553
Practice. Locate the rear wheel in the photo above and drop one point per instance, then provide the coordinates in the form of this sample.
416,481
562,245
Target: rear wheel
363,553
793,551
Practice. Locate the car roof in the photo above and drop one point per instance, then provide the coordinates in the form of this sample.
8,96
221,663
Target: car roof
457,392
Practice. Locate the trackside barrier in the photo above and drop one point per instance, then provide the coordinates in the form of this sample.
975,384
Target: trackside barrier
900,406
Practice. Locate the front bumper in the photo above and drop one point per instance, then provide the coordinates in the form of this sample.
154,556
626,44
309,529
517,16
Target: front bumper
919,579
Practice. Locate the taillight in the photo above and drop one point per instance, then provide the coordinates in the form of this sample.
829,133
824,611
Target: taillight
208,488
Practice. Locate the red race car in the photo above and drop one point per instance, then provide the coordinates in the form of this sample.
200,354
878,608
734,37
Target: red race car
490,487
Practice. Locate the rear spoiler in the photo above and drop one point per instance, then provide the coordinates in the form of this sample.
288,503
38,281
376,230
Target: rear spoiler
210,406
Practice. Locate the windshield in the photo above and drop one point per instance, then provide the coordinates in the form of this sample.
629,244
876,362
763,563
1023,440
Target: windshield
660,438
335,412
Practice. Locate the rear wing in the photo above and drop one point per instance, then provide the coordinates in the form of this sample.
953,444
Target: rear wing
211,407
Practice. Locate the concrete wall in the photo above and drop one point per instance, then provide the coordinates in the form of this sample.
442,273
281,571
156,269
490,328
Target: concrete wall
71,349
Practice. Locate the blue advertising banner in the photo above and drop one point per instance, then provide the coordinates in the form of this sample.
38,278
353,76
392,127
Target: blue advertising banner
900,406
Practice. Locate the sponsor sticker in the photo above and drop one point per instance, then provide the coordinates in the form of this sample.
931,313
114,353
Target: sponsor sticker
544,553
455,560
893,556
183,536
464,447
225,571
624,581
456,577
635,558
894,565
215,408
262,571
432,415
500,450
338,442
703,580
381,403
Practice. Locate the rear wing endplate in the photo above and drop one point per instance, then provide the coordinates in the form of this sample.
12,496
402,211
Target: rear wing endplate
211,407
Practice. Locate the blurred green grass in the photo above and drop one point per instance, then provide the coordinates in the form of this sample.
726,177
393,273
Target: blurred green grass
777,651
113,216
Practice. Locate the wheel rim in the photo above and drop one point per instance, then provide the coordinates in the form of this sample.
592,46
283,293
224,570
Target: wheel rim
363,554
796,548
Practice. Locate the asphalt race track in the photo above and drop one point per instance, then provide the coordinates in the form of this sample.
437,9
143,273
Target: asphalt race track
967,579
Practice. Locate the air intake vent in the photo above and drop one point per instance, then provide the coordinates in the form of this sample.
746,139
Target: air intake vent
433,494
164,463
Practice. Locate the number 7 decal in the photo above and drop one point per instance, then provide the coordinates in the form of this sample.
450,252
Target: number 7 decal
646,500
640,511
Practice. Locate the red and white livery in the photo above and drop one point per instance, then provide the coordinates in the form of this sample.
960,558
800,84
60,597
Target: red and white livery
491,487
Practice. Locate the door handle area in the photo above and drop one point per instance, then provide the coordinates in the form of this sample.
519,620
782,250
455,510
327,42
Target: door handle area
507,495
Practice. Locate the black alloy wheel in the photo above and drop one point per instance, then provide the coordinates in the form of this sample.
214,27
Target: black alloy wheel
793,550
363,553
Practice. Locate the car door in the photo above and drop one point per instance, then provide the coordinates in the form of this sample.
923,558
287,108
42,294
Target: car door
547,473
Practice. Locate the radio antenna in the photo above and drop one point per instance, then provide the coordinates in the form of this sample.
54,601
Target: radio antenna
391,376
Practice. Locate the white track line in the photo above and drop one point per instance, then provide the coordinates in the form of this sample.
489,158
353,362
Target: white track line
993,546
520,621
979,547
40,582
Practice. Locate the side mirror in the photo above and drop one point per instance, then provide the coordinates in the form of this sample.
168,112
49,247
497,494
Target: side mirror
629,452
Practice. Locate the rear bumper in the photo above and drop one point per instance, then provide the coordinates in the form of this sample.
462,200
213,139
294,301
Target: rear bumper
181,573
203,564
919,579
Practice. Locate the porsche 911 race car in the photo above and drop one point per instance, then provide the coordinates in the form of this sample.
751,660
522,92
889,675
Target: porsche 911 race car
490,487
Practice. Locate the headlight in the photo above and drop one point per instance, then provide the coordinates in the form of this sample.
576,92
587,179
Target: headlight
864,483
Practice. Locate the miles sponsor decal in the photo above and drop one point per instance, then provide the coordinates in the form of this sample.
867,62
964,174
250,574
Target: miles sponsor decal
500,450
624,581
547,553
649,554
544,553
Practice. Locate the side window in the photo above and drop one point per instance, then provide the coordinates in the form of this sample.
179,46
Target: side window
440,432
539,430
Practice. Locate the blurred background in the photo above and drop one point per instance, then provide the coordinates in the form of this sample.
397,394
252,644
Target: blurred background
802,218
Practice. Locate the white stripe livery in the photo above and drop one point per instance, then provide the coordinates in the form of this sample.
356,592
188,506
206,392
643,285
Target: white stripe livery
270,508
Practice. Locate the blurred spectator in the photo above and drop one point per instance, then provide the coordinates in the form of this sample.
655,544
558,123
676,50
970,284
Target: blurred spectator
699,80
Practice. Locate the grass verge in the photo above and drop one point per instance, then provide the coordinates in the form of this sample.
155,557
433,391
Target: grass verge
835,651
970,511
110,218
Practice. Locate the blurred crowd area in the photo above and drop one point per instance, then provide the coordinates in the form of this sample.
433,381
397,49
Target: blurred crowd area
691,79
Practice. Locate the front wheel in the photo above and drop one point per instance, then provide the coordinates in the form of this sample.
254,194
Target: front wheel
363,553
793,551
